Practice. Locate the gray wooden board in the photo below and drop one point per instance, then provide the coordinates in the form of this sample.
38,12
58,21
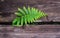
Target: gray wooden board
31,29
47,31
50,7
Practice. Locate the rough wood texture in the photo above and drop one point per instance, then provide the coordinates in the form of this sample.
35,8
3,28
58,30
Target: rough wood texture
51,7
39,31
32,29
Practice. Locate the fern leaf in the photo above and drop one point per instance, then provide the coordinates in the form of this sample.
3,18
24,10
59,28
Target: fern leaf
27,15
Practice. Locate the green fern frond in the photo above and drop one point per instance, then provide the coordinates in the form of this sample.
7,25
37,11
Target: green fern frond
27,15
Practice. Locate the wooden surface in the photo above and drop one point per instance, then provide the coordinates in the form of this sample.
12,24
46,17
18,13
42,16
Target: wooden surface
39,31
50,7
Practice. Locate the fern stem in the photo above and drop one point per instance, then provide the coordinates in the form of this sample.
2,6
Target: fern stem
23,26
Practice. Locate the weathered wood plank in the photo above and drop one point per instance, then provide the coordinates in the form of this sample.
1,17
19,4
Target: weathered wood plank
51,7
39,31
31,35
32,29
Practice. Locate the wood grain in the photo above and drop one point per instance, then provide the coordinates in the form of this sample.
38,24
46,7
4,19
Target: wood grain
38,31
50,7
